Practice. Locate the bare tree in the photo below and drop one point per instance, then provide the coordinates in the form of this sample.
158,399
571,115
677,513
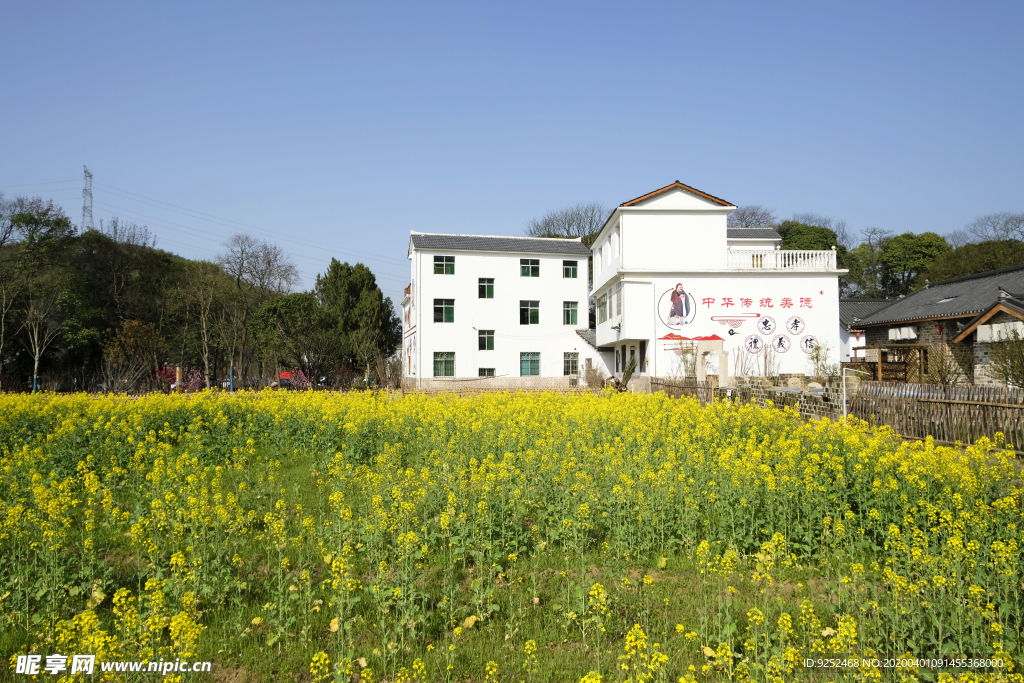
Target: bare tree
752,217
202,281
959,238
258,266
580,220
1007,360
869,264
128,357
10,285
387,370
838,226
40,323
949,364
128,233
998,226
7,209
260,271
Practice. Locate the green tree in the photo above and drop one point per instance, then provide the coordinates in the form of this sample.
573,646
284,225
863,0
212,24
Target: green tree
974,258
865,265
353,303
805,237
44,233
906,256
297,331
808,237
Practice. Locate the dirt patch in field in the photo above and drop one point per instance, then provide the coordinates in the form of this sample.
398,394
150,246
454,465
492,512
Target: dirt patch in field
222,675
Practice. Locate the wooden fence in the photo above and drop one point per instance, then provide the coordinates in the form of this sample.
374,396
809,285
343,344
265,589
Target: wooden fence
702,391
947,413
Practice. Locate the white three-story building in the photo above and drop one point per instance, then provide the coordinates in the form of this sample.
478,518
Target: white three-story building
494,311
672,284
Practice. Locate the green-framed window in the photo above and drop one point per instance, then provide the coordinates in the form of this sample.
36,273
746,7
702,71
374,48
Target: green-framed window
486,340
487,288
444,265
486,372
529,312
444,310
571,363
529,363
444,364
569,312
569,268
529,267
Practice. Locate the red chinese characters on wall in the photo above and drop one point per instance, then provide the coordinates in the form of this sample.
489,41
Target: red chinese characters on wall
763,302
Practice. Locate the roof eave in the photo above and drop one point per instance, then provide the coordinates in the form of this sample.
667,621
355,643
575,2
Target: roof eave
987,315
918,320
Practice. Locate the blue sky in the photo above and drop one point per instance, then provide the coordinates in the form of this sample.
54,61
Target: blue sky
335,128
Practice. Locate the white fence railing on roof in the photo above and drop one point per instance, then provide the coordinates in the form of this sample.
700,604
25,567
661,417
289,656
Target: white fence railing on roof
782,260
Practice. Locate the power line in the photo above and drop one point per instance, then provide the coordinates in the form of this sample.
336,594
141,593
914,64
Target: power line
227,222
193,232
51,182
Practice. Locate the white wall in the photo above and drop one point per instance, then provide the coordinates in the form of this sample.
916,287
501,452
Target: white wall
674,241
550,338
673,231
645,314
747,244
850,345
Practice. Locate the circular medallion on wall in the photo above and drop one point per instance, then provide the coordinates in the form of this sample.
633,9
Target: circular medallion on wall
808,343
677,307
795,325
781,343
753,343
766,324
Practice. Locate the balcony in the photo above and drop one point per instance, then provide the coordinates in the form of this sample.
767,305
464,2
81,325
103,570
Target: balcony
781,260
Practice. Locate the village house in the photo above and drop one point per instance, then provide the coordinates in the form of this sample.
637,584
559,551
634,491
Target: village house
494,312
852,338
685,295
674,289
958,318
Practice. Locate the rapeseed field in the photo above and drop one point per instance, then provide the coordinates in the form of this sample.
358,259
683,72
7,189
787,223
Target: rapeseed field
311,536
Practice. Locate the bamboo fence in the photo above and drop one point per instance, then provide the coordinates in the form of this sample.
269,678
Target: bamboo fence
946,413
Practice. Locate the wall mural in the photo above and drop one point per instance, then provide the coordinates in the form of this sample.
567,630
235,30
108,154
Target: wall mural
677,307
672,341
774,319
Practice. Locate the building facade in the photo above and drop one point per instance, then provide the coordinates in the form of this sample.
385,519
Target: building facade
852,337
484,311
685,295
947,326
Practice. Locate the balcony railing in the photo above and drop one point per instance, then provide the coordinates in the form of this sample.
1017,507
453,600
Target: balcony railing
782,260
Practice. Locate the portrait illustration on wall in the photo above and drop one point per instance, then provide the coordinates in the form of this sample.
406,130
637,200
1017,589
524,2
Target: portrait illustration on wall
677,307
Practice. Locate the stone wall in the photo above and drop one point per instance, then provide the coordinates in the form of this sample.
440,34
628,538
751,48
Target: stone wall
471,384
810,403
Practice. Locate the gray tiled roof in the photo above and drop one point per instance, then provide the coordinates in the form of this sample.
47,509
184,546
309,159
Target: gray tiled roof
1014,302
589,336
859,308
532,245
752,234
967,296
